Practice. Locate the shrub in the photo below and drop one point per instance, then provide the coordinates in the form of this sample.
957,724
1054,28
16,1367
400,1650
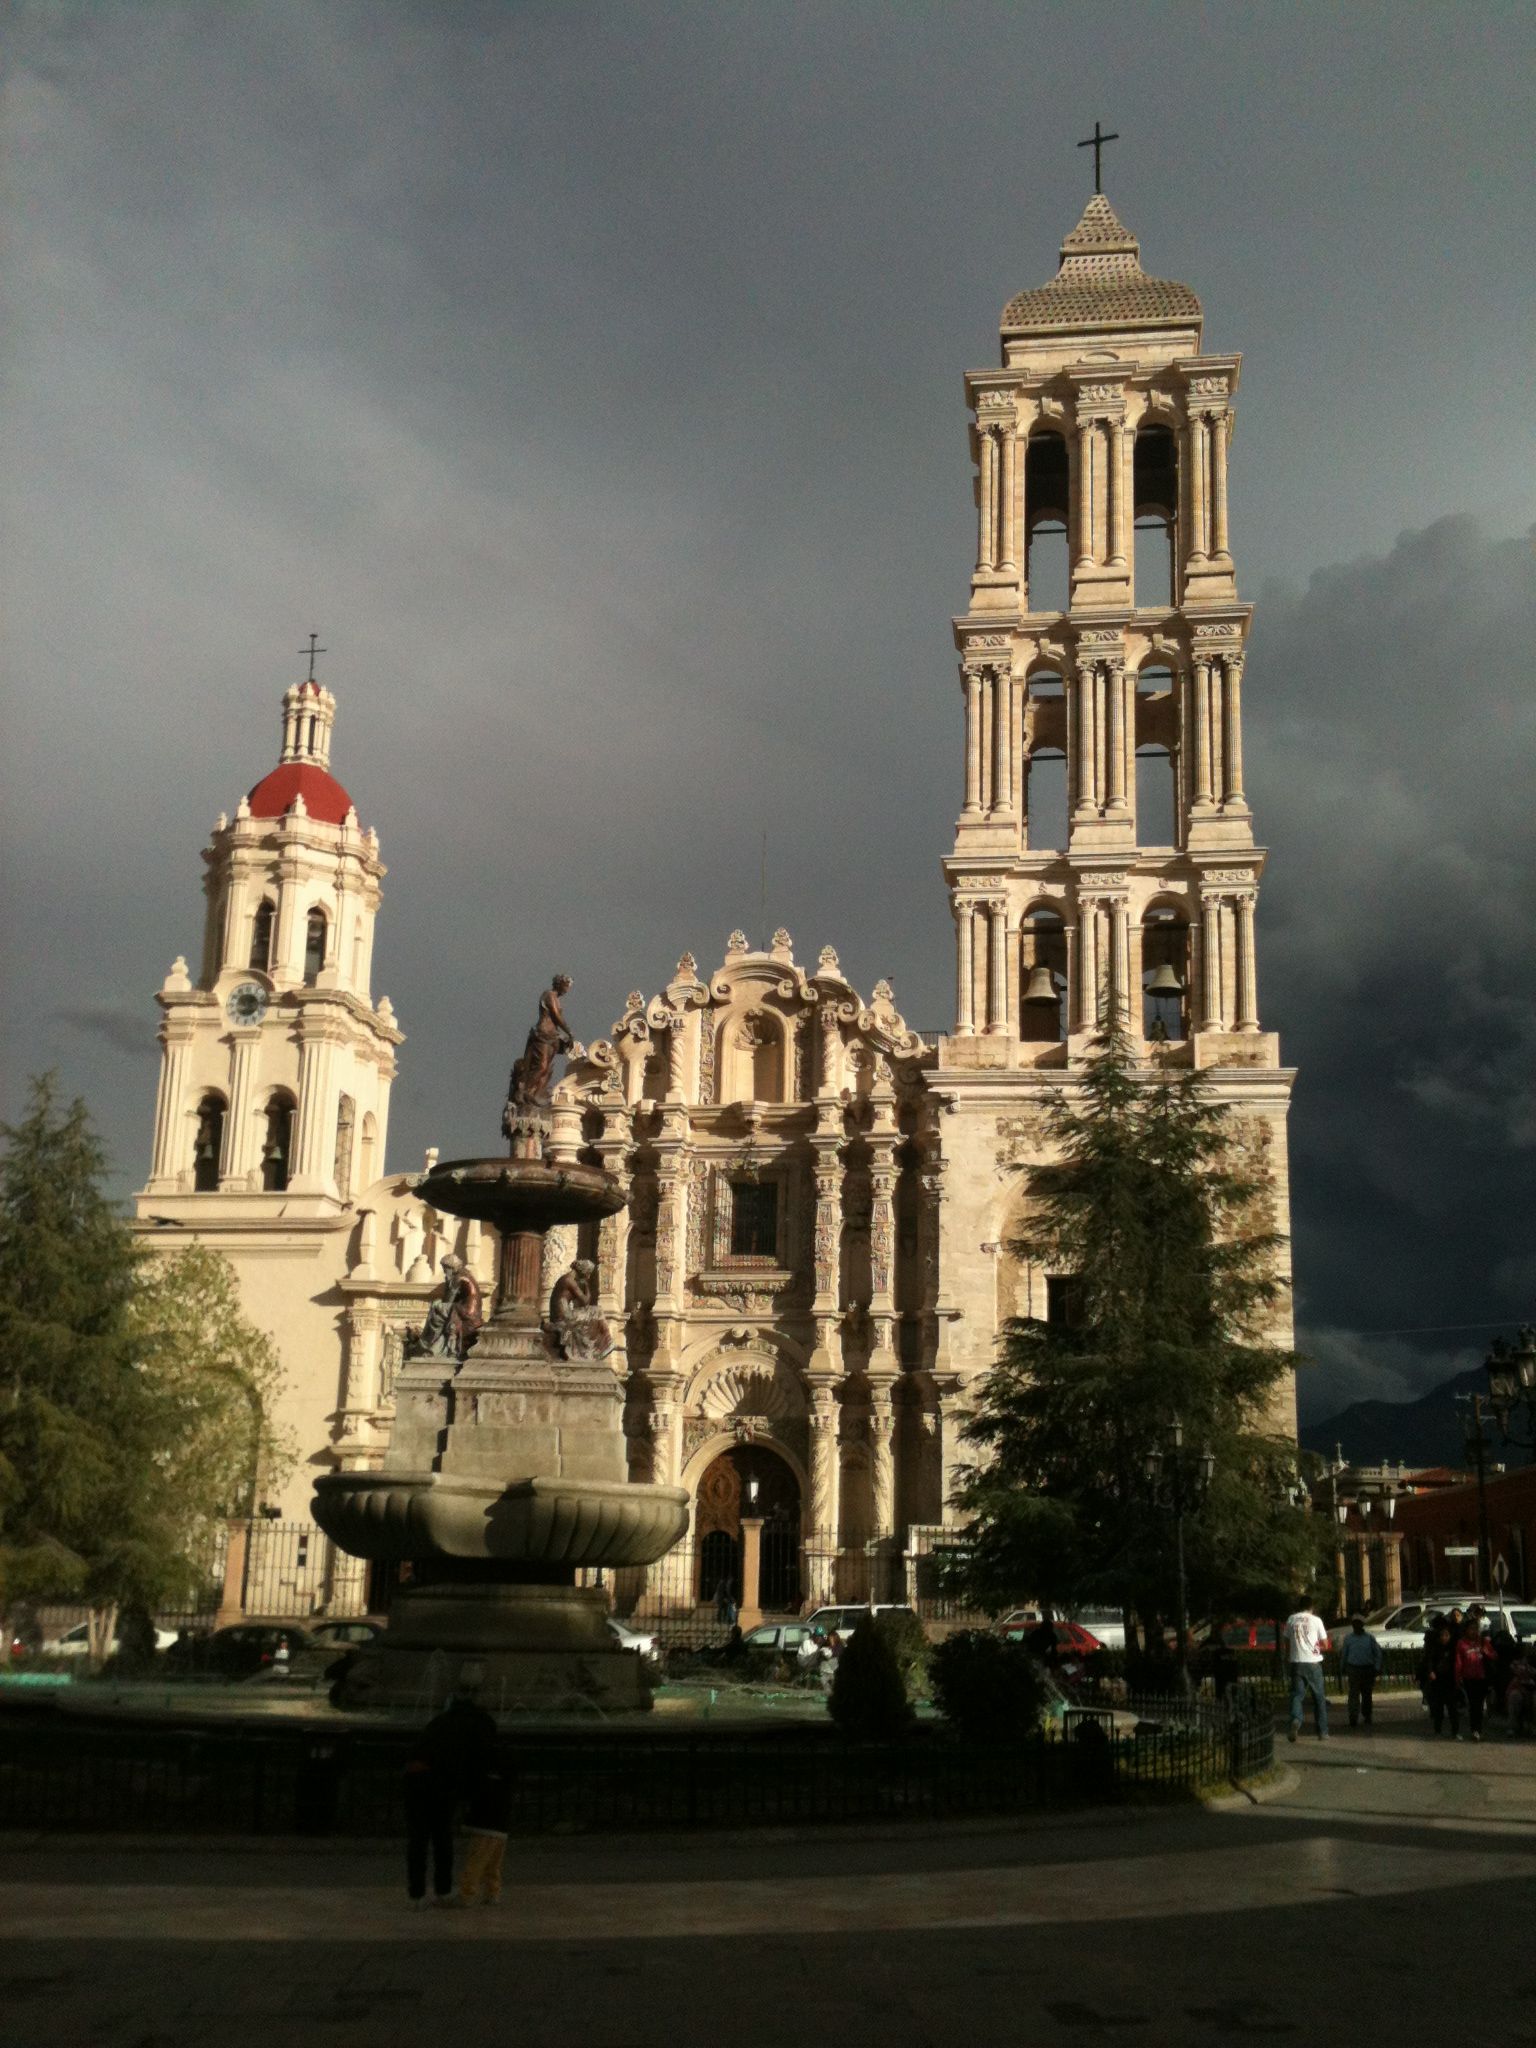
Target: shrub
909,1645
986,1687
869,1694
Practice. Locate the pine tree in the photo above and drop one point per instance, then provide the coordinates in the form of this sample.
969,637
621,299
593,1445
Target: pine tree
1165,1228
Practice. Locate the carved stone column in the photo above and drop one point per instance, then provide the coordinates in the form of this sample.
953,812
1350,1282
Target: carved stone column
1220,428
1234,795
1120,486
821,1536
1084,493
1120,962
997,966
965,971
1202,762
170,1122
1080,741
1115,683
613,1231
1002,743
1008,551
950,1420
986,499
971,684
239,1135
1247,965
1210,964
1198,457
882,1464
827,1240
1087,964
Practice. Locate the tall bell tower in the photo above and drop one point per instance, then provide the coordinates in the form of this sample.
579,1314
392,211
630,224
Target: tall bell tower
276,1063
1104,864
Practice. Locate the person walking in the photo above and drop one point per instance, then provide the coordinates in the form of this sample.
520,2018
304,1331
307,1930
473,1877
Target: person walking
1473,1661
1305,1641
449,1756
1360,1654
1441,1683
487,1817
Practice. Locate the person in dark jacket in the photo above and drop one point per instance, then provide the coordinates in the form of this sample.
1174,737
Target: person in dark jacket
450,1755
1442,1687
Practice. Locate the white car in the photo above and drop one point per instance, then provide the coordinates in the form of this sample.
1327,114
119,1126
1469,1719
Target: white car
632,1639
1402,1627
844,1620
76,1642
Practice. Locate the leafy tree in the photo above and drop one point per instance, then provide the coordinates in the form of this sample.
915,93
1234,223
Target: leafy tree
1164,1224
121,1379
869,1694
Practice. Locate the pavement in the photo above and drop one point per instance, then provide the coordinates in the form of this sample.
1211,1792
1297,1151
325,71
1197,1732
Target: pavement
1366,1891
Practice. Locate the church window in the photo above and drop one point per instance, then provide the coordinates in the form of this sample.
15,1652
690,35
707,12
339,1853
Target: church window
754,1220
346,1119
277,1145
368,1164
314,946
208,1144
1046,482
261,934
1156,493
1063,1300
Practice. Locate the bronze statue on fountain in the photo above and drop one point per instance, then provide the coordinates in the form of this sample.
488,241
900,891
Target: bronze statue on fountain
506,1468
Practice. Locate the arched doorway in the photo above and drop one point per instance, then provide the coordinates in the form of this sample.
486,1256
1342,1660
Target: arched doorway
750,1485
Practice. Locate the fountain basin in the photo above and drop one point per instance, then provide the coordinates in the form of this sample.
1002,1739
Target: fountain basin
521,1194
544,1522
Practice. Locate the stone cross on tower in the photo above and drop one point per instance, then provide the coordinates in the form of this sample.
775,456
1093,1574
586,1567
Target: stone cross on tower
1096,142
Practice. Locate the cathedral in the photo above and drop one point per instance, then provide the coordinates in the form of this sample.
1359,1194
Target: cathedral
814,1261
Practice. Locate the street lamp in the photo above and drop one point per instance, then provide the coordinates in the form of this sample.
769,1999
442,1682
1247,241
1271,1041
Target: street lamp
1511,1370
1188,1480
1470,1408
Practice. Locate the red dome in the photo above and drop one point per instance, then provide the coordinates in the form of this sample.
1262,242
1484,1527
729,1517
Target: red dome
323,795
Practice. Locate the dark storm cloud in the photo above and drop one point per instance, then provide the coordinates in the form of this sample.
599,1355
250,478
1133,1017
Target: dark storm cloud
590,377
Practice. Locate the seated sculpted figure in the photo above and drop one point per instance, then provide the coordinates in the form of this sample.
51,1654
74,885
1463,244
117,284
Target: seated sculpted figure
575,1328
454,1318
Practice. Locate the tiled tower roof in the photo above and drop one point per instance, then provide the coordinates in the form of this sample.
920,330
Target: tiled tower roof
1100,284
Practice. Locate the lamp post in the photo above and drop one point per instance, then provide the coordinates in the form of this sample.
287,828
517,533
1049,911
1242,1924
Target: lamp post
1511,1370
1339,1509
1188,1480
1472,1419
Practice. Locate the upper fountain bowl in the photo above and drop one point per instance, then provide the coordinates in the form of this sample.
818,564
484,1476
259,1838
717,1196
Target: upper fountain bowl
521,1194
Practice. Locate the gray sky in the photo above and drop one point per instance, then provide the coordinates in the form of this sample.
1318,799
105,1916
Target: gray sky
590,376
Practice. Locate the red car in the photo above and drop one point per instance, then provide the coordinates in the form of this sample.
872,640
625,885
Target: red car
1072,1639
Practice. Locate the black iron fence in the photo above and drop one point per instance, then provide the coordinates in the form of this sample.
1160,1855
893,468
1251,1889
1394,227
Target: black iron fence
57,1776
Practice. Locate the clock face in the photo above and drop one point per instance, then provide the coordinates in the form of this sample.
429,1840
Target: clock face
247,1004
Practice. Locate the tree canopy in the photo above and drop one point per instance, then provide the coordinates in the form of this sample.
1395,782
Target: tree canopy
1159,1213
133,1393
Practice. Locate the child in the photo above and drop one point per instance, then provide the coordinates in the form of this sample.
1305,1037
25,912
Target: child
486,1819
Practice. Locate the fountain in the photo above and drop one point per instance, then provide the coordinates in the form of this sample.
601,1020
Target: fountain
506,1470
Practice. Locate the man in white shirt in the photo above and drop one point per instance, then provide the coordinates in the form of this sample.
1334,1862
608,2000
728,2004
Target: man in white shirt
1305,1641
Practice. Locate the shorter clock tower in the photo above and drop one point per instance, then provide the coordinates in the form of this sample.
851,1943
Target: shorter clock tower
276,1064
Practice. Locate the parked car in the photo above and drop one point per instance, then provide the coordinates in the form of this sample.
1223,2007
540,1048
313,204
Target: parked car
1107,1623
344,1635
76,1642
1402,1627
779,1638
634,1639
1072,1639
1246,1635
243,1651
844,1620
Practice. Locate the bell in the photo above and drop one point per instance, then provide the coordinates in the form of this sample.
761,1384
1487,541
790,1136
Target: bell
1165,982
1041,987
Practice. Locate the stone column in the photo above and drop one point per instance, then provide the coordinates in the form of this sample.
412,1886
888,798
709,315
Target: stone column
1202,734
1220,428
311,1168
238,1139
170,1122
827,1240
1082,748
997,966
1100,735
951,1450
965,972
1011,989
986,498
1003,798
1120,487
1120,962
1009,550
821,1540
1247,963
882,1465
1115,682
971,683
1198,551
1088,965
613,1231
1084,494
1233,753
1392,1567
750,1612
1210,963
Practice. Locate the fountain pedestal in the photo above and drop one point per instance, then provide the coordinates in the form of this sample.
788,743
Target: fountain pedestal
504,1476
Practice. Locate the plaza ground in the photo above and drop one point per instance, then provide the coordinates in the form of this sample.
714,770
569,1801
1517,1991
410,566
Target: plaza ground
1387,1884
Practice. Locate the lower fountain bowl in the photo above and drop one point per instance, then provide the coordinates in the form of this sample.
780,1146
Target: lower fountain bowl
544,1523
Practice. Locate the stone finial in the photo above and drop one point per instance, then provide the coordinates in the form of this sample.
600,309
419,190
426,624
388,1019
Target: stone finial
178,981
736,943
687,968
242,809
298,808
385,1010
430,1159
350,822
783,943
221,822
827,961
885,995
